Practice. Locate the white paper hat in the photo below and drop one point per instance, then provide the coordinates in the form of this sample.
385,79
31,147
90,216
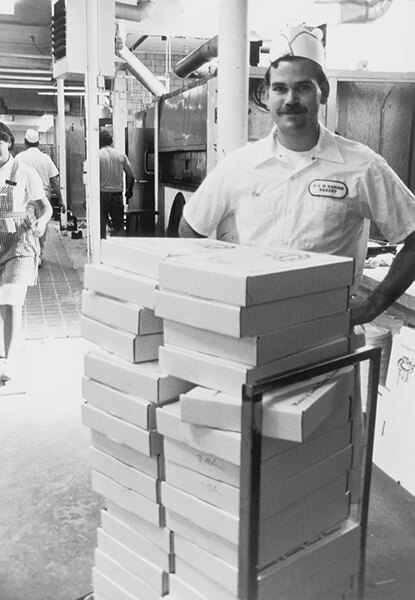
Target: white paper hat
32,136
301,41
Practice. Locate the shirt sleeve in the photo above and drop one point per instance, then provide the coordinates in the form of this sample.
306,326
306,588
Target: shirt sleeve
209,205
34,186
387,201
53,170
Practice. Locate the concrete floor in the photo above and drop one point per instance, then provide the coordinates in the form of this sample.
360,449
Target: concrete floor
48,512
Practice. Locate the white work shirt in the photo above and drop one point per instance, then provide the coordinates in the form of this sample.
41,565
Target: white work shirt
112,164
258,195
42,164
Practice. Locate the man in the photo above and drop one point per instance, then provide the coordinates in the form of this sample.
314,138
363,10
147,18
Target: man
46,168
113,164
304,187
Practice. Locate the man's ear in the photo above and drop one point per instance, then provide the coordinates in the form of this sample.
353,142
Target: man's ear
325,91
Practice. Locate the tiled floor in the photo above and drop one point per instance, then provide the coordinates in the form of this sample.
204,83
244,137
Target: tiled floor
52,307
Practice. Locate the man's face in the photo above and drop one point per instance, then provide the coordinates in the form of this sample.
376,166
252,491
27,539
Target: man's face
294,96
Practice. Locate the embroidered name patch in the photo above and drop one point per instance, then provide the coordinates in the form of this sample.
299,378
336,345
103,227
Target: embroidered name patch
328,188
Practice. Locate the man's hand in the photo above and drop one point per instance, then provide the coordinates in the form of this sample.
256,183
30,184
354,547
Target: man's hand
62,207
360,311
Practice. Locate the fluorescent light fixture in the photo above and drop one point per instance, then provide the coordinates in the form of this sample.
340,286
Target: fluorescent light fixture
6,7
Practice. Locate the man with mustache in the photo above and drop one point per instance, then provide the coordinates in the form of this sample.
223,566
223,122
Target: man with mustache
305,187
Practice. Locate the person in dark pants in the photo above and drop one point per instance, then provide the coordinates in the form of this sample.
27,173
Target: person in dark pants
113,164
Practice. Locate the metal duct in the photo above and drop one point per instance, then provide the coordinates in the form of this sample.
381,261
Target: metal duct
198,57
127,12
358,11
137,68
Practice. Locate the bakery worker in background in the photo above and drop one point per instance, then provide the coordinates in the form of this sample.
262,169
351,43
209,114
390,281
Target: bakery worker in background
24,214
46,168
305,187
113,164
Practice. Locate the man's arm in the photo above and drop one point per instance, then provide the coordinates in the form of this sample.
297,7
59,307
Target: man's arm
186,231
56,188
400,276
129,175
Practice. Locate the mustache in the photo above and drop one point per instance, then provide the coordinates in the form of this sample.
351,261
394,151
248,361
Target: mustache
292,110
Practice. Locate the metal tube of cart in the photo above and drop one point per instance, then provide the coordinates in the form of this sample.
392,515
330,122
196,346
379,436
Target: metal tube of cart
251,460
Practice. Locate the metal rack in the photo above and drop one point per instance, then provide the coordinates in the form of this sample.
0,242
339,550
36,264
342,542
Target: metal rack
251,458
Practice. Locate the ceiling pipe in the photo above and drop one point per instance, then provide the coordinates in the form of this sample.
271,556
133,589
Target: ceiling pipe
358,11
198,57
136,67
354,13
127,12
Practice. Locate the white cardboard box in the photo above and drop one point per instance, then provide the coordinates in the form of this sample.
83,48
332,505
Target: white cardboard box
340,417
139,544
129,477
145,380
131,408
119,314
275,495
210,490
203,537
202,582
260,349
134,348
290,413
323,554
210,408
123,578
228,376
120,284
334,582
245,275
296,413
158,534
147,442
216,569
134,562
106,589
303,521
151,465
128,499
201,462
201,513
225,445
143,255
251,320
181,590
302,456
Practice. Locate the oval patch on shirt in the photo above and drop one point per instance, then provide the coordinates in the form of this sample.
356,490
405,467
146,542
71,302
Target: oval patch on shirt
328,188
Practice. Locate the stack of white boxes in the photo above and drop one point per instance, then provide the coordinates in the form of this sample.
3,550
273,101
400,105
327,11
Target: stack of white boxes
235,317
232,315
122,387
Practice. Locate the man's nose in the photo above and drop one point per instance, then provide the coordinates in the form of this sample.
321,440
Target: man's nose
291,97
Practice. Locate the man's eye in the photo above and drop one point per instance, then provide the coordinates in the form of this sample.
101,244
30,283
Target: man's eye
304,87
279,89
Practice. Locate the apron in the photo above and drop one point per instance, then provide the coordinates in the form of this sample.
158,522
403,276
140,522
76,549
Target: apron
19,248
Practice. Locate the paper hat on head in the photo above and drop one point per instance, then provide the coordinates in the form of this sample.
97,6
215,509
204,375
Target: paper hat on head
32,136
301,41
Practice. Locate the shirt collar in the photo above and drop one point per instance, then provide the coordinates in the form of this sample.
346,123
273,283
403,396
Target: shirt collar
325,149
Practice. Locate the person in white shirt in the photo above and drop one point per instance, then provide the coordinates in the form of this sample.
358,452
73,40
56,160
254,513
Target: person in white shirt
24,214
113,164
45,167
305,187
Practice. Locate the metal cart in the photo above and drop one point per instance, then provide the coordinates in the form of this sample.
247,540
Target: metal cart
249,538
